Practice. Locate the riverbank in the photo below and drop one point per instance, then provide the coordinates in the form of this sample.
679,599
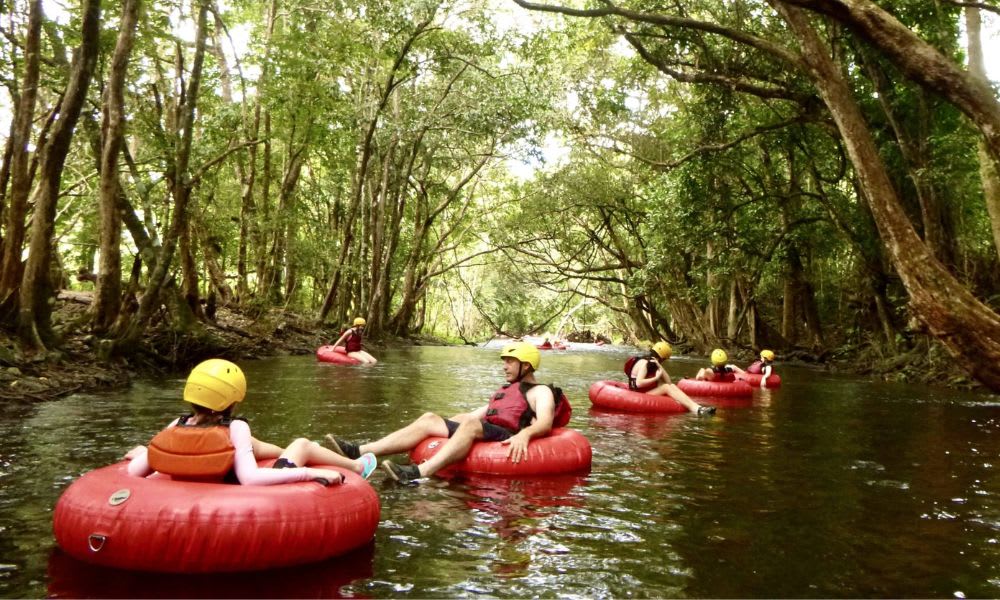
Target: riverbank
922,362
75,367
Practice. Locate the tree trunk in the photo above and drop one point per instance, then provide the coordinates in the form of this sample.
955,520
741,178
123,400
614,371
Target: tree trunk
8,154
291,282
245,168
178,178
661,327
212,249
753,319
935,221
415,285
713,310
803,298
384,283
189,271
107,294
811,312
963,324
126,212
883,311
789,313
688,323
277,268
35,310
361,173
379,253
348,226
987,168
918,60
633,307
263,276
408,293
20,180
732,324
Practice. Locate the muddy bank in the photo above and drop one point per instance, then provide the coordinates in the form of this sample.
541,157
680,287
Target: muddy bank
924,361
75,367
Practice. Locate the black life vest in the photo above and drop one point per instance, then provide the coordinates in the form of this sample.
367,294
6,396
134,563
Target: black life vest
724,373
199,452
509,407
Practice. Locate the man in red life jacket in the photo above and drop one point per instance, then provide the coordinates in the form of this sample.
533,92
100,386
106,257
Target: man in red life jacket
519,411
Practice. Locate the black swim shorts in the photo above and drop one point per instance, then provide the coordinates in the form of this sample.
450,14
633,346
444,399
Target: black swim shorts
491,432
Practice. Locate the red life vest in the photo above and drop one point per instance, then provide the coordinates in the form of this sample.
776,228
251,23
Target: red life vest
193,451
630,364
353,342
509,407
650,369
756,367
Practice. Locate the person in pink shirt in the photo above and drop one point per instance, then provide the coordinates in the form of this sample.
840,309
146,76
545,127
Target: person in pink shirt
210,444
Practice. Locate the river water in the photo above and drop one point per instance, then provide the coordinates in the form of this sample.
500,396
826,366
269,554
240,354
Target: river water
827,487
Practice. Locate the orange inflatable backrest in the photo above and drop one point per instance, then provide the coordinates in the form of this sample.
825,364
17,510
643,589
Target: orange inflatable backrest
192,452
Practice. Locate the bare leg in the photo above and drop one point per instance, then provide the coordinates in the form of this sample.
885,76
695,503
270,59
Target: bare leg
669,389
364,357
264,450
303,452
677,394
407,438
705,375
455,449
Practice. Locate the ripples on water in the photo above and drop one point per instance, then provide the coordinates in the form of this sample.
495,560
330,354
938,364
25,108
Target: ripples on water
827,487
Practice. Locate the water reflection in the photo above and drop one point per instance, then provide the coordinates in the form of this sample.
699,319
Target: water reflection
71,578
652,426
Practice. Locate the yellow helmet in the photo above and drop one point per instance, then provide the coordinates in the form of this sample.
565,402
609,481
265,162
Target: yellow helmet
215,384
662,350
719,357
359,321
767,355
524,352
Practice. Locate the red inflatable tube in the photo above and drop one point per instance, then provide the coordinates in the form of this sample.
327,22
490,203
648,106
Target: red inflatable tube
615,395
697,387
773,380
109,518
337,356
562,451
552,347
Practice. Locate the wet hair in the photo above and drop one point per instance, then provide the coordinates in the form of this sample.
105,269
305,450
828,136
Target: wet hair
204,411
